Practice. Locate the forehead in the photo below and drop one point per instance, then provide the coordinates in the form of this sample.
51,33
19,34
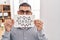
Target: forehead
24,8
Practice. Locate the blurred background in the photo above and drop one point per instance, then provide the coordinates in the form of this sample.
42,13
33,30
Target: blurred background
46,10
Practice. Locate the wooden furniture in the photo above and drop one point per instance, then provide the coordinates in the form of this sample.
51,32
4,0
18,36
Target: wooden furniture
5,12
2,30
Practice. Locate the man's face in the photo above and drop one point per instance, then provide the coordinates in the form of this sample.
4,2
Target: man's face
24,10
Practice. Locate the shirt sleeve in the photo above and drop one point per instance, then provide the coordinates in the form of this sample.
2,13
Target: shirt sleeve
41,35
6,36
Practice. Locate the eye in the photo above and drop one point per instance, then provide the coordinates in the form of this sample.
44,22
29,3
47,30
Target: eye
21,11
28,11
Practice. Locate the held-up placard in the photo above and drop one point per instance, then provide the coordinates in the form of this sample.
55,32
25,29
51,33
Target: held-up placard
24,21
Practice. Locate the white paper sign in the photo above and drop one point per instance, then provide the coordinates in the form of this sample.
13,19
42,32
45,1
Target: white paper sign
5,14
24,21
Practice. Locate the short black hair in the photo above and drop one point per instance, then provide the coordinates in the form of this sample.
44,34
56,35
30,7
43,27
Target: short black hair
24,4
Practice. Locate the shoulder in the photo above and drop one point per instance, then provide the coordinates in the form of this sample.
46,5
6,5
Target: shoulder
13,29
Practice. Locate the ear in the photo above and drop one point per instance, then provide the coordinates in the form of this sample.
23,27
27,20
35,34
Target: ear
31,13
17,12
12,21
34,21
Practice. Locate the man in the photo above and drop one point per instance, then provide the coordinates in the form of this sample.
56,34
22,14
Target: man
31,33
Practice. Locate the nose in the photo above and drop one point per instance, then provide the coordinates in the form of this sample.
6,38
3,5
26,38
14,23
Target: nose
24,13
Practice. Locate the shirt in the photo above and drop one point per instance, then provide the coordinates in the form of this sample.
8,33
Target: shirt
30,33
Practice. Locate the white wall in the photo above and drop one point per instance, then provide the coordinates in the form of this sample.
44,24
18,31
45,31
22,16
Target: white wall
2,1
50,14
35,4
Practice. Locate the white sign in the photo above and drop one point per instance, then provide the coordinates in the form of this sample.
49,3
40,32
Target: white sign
24,21
5,14
0,14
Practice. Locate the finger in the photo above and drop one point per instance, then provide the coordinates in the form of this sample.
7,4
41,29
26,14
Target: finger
38,22
9,21
7,24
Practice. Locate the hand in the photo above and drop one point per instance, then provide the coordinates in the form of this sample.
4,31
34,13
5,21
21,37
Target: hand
38,24
8,24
